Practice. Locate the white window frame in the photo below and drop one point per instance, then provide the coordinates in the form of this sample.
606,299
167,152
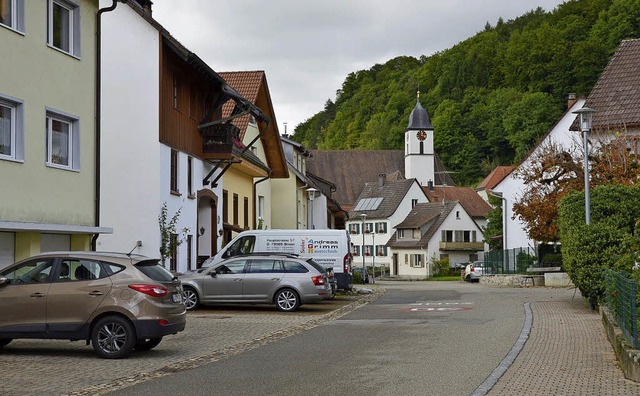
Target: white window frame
16,108
74,26
416,261
400,233
74,140
16,19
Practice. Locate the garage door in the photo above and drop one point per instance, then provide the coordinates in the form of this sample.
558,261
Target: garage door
55,242
7,248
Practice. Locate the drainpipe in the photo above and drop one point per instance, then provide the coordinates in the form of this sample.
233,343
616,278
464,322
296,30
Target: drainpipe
98,112
254,197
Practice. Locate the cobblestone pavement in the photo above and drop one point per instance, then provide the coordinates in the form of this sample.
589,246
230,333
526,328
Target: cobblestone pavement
41,368
567,353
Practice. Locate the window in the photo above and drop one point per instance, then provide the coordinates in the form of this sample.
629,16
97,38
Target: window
294,267
447,236
11,129
235,209
174,172
190,176
261,206
368,249
416,260
79,270
354,228
173,263
246,212
225,206
421,147
63,148
264,266
368,227
36,271
381,250
233,267
457,215
64,26
400,234
355,250
176,89
12,14
414,202
381,228
416,234
189,251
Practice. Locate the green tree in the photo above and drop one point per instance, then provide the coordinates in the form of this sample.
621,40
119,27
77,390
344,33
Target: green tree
170,237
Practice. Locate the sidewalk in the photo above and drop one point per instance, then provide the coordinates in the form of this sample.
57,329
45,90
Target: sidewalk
567,353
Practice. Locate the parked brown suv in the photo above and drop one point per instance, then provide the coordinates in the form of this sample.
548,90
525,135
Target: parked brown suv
118,302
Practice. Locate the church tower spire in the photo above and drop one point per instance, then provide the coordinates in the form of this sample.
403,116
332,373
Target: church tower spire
419,162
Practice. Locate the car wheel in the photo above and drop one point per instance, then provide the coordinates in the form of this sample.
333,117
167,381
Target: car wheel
287,300
191,299
5,341
468,278
147,344
113,337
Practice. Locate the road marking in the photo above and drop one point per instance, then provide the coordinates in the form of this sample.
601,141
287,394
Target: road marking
442,303
435,309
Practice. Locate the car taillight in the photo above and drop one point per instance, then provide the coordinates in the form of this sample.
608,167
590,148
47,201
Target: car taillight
471,268
318,280
346,264
151,290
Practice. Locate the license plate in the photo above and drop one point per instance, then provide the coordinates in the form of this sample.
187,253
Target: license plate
176,298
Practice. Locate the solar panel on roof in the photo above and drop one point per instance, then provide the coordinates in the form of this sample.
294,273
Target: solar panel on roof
368,204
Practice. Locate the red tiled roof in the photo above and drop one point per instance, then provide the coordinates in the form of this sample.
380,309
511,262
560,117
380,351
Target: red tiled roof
467,196
616,95
247,83
495,177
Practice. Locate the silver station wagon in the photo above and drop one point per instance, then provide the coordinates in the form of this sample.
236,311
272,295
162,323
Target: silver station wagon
283,280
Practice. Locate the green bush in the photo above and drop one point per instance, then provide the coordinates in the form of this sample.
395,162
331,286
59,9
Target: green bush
441,267
605,243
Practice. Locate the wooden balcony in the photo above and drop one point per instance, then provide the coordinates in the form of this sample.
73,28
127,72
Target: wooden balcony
466,246
217,141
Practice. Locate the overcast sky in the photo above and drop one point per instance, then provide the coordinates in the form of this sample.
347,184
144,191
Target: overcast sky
307,47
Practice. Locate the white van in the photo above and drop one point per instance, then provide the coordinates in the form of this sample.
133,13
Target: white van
329,248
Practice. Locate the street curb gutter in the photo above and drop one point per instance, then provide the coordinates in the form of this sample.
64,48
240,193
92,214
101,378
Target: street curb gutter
233,350
493,378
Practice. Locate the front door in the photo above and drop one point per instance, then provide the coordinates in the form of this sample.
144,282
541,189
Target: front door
395,264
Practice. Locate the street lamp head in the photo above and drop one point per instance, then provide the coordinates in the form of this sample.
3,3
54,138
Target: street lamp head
363,216
586,116
312,193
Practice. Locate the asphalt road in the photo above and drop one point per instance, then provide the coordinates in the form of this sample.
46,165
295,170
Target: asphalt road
420,338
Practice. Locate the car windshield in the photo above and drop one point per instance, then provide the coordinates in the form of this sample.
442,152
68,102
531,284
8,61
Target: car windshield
155,271
317,266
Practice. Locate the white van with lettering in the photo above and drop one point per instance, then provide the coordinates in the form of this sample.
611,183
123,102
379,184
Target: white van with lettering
329,248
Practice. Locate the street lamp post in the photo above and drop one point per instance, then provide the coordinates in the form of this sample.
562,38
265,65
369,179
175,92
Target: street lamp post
586,115
363,216
312,194
373,256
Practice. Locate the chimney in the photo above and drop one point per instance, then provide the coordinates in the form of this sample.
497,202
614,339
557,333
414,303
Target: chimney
571,100
146,5
381,178
430,184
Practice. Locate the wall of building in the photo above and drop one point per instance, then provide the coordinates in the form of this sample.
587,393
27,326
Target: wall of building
131,154
43,77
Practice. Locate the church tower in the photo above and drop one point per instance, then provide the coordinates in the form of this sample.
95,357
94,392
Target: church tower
419,156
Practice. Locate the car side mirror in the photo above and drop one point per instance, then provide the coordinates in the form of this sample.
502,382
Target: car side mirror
214,274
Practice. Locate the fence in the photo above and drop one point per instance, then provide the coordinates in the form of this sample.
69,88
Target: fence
510,261
621,299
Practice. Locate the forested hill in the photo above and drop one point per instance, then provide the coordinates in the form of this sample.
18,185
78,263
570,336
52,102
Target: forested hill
490,97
